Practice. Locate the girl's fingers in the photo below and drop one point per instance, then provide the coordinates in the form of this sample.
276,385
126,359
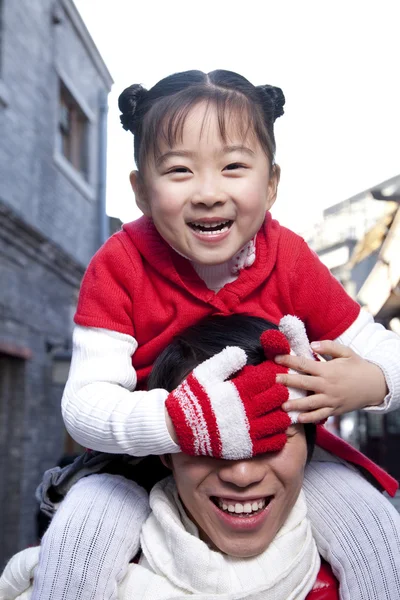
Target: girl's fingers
307,404
333,349
302,382
307,365
315,416
299,363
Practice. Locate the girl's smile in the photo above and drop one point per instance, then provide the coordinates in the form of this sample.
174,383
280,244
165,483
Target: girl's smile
207,197
211,229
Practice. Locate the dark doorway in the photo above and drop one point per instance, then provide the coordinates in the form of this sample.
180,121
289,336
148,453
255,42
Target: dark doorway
12,399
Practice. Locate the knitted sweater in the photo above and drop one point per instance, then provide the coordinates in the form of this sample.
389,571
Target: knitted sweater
138,285
175,563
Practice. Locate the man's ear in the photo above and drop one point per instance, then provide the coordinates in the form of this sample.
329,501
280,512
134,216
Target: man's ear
166,460
273,185
139,191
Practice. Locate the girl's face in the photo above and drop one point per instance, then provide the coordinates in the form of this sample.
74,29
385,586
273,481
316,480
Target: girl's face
206,197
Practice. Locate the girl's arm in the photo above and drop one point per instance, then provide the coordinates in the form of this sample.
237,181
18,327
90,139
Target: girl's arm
100,409
380,346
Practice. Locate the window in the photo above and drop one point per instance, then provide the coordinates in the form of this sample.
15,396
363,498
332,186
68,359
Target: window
73,126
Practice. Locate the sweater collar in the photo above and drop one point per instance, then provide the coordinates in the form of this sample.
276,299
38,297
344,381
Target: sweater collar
179,271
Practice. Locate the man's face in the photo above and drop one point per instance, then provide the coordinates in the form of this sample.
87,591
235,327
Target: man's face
240,505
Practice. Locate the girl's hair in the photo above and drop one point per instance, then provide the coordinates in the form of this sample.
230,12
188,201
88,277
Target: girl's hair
160,113
207,338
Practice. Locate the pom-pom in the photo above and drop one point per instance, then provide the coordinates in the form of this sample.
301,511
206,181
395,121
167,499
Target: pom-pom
273,100
128,103
274,343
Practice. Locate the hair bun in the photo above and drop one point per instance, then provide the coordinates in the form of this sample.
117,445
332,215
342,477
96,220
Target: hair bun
127,104
273,100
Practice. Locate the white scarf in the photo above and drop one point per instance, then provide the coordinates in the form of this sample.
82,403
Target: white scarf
176,563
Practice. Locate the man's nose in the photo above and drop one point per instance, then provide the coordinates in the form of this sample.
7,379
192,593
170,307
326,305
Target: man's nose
242,473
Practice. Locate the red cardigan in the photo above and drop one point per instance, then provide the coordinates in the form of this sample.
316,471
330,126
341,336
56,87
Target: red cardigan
137,285
326,586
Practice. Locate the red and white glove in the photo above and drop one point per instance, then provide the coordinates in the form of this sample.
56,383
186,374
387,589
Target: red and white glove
232,419
295,332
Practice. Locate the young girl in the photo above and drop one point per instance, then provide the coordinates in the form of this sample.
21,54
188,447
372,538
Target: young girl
206,179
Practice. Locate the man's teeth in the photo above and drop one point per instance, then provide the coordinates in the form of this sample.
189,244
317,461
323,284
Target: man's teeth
239,508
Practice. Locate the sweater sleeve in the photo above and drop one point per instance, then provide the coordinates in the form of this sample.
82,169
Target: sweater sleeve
16,579
99,408
319,300
382,347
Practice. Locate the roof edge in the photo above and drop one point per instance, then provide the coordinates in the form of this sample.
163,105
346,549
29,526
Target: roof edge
83,32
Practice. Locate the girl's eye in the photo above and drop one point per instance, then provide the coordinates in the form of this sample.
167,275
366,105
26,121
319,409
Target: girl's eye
178,170
234,166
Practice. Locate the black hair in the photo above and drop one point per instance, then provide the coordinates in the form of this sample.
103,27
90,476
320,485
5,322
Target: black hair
207,338
162,110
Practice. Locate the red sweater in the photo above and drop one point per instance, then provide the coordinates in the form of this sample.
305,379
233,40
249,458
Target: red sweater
136,284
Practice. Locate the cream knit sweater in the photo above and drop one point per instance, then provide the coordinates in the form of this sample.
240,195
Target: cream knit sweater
176,564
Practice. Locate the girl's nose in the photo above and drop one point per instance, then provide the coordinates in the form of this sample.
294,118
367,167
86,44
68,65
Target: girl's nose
242,473
208,200
208,195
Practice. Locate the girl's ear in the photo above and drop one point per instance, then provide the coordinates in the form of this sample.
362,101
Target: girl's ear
139,191
273,184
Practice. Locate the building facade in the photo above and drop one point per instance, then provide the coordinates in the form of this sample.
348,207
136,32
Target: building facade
53,109
359,241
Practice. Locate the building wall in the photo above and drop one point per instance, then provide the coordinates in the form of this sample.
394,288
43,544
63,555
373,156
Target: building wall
37,298
50,223
36,53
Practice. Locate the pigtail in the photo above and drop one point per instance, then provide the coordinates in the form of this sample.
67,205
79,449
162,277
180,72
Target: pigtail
273,101
128,103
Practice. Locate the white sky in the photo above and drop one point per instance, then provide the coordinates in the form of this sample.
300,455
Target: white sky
337,61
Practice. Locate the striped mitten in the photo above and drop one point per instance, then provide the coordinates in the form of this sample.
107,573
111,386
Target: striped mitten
232,418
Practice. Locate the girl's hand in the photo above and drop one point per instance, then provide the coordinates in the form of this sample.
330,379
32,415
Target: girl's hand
345,383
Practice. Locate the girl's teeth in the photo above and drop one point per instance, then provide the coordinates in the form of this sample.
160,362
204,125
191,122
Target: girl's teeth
210,225
210,228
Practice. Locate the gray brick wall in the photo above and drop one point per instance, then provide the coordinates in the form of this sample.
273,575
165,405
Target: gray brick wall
49,229
36,52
